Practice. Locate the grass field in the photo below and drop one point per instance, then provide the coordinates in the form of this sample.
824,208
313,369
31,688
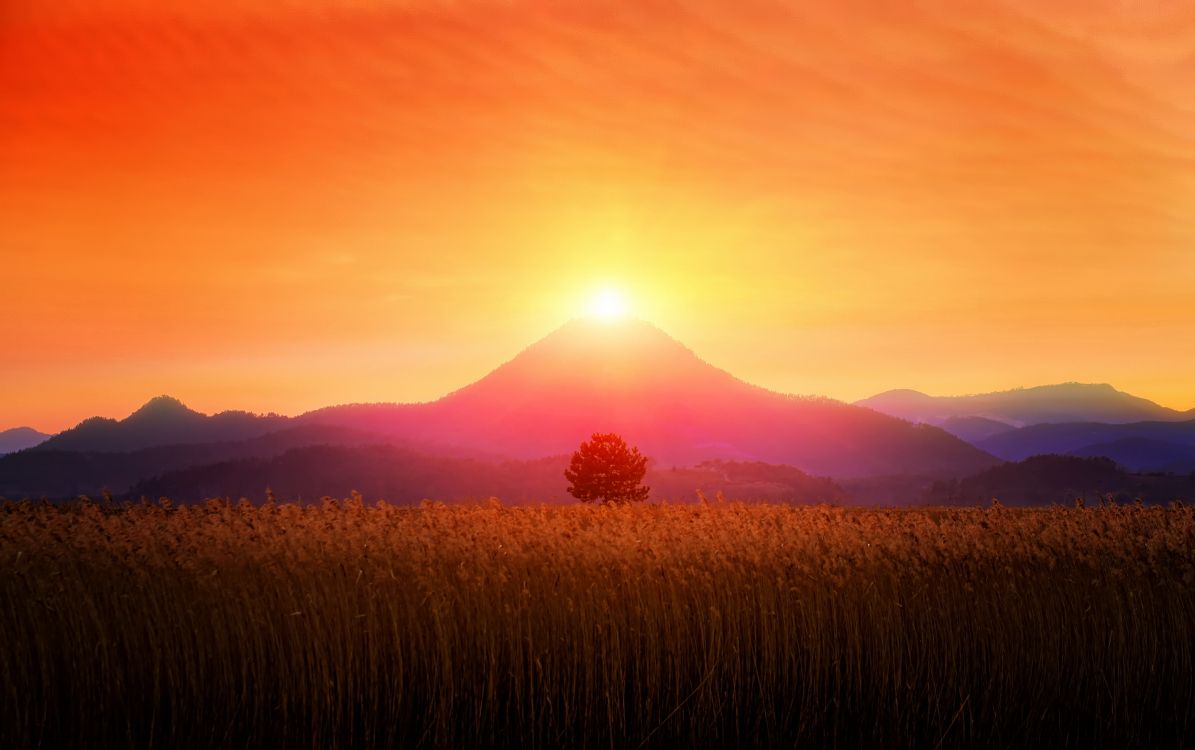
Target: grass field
724,624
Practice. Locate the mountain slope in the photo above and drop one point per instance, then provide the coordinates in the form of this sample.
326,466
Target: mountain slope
398,474
1064,402
1044,480
633,379
58,473
1079,436
404,476
974,429
162,421
1144,454
20,438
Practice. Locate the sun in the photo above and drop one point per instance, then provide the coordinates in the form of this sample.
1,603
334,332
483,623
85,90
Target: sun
609,304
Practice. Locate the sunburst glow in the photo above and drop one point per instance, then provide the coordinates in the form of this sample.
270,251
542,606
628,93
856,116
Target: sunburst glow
609,304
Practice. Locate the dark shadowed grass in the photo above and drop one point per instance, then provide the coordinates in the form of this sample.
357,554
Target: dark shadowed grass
720,625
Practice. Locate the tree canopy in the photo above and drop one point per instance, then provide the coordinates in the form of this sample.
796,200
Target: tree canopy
605,469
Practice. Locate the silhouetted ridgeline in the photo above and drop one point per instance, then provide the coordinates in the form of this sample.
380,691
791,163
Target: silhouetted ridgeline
1061,402
404,476
20,438
630,378
488,438
294,469
162,421
61,473
973,429
1043,480
1171,444
399,475
1144,454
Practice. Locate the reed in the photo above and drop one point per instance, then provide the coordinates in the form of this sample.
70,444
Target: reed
349,624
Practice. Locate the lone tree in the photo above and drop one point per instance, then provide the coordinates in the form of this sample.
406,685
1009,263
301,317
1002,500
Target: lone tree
606,470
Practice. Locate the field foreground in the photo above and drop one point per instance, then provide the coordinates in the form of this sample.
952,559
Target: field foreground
347,625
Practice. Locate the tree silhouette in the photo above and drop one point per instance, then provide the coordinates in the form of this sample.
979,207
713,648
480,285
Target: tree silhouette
605,469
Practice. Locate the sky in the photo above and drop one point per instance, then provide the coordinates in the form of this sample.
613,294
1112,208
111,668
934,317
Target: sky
277,206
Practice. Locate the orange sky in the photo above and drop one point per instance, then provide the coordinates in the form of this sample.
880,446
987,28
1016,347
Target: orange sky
279,206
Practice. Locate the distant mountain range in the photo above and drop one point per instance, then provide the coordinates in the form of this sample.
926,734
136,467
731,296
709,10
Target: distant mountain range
1064,402
508,435
162,421
20,438
61,473
587,376
1085,420
1140,446
1044,480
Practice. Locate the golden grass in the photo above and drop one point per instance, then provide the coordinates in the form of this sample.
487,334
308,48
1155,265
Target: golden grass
346,625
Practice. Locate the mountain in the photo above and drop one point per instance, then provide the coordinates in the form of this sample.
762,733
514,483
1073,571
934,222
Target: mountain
1064,402
583,378
58,473
19,438
632,378
398,474
974,429
1043,480
1087,438
162,421
1144,454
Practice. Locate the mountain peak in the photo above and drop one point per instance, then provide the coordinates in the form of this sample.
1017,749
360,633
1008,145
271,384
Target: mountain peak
899,393
630,377
623,333
589,359
162,406
163,420
20,438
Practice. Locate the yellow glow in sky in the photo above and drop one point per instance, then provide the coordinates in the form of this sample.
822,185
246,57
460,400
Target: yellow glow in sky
609,303
281,206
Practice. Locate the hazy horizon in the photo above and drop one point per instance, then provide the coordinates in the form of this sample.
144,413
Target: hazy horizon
335,398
